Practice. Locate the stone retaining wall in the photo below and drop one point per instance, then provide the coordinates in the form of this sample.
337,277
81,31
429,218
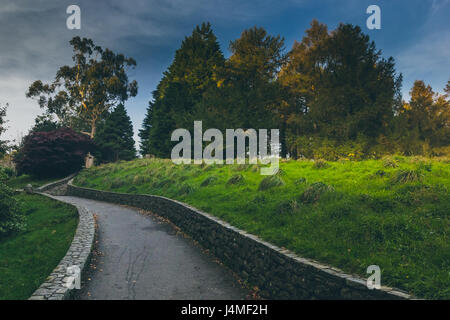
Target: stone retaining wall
57,188
278,273
54,287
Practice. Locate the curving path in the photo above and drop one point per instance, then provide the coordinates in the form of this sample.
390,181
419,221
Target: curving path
143,258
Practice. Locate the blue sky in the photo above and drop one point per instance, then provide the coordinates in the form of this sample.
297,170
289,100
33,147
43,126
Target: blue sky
34,38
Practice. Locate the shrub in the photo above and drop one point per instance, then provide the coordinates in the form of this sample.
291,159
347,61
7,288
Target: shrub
271,182
405,176
11,219
8,172
315,191
236,179
53,154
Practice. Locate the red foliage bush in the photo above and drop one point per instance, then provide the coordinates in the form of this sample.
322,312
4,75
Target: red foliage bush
53,154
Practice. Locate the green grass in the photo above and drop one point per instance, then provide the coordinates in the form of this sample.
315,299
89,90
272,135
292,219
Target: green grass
21,181
27,258
347,214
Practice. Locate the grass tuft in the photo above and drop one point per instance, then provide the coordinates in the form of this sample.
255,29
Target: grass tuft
315,191
186,189
270,182
236,179
208,181
406,176
389,163
320,164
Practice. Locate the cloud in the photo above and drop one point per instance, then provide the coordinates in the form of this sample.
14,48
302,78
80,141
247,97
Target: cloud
427,58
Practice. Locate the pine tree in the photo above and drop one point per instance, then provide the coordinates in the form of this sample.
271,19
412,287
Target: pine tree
114,137
144,132
194,69
339,87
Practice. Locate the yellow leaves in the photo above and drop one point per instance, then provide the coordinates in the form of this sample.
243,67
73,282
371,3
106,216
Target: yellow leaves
406,106
219,83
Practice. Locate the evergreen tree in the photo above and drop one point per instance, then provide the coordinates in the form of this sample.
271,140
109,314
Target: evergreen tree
247,94
144,132
194,68
114,137
339,86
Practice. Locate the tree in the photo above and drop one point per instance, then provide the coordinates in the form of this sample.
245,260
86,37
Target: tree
194,69
342,86
252,70
144,132
299,78
428,114
247,94
114,138
83,93
52,154
3,144
45,123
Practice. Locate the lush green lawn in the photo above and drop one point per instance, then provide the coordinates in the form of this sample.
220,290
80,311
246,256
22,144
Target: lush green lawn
21,181
392,213
27,258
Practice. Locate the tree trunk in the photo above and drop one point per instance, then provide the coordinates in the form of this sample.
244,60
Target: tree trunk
93,128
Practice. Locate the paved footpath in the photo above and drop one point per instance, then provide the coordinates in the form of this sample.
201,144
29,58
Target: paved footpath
144,258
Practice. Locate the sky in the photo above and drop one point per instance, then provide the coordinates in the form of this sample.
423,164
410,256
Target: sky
34,38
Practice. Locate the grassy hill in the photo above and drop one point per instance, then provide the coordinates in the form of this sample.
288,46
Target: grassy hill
393,212
28,257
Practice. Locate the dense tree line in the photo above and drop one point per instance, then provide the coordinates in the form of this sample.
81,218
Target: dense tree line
332,95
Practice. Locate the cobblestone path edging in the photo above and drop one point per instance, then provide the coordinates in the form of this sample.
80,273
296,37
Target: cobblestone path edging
55,286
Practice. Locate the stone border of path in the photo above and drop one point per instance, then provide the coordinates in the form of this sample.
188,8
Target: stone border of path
278,273
54,287
57,187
